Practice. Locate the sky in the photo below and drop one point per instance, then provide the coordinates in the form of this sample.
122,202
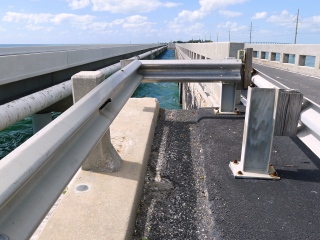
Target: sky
153,21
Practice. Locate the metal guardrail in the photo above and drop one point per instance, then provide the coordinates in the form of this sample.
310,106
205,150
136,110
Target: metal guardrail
34,175
226,70
309,128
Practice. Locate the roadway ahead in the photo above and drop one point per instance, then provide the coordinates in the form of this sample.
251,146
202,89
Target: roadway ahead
308,86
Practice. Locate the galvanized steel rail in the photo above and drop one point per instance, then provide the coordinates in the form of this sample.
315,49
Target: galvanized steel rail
226,70
309,129
34,175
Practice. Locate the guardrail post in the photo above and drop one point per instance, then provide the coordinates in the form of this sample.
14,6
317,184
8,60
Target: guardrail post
40,120
288,112
227,98
103,157
257,136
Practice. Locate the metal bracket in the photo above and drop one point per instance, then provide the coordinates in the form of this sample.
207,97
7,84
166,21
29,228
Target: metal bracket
238,172
257,136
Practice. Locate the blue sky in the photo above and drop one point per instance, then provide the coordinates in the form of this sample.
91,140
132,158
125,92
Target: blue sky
151,21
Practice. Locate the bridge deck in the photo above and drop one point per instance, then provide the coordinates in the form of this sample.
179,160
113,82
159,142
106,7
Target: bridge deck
307,85
190,192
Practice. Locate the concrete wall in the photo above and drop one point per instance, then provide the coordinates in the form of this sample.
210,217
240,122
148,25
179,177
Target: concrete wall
300,51
199,95
25,70
218,50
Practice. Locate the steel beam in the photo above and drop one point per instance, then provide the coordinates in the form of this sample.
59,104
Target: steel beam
227,70
35,174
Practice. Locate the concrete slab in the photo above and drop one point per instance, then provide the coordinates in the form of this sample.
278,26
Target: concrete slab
104,205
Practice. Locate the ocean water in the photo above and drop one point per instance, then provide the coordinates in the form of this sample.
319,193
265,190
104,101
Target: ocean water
166,93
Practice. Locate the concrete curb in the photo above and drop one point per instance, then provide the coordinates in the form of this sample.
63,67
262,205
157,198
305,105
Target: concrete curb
104,205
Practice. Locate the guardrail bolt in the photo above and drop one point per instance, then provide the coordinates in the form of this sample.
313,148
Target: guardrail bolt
240,173
274,174
4,237
80,188
235,161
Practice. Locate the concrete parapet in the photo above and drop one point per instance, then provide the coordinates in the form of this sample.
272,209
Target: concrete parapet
198,95
290,57
218,50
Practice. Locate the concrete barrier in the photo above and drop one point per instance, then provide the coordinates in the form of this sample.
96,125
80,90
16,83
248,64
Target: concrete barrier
198,95
291,57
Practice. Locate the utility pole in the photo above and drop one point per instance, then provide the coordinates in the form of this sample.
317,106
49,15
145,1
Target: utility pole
250,31
297,23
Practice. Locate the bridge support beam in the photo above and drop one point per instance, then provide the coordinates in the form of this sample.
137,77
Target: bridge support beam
103,157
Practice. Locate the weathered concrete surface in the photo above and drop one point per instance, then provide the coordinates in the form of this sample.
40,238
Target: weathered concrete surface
103,157
299,50
197,95
197,196
107,209
218,50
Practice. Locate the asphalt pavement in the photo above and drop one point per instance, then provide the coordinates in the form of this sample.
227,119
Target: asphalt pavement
190,192
309,86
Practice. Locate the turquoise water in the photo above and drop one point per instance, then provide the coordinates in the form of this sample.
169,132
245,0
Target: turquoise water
166,93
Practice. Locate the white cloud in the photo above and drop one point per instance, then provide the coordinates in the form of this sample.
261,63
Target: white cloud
135,24
190,16
124,6
311,23
206,6
195,29
284,19
47,18
30,18
63,17
230,14
260,15
37,28
78,4
232,26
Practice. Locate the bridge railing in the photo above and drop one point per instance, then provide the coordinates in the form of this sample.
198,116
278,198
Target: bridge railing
34,175
308,128
301,58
